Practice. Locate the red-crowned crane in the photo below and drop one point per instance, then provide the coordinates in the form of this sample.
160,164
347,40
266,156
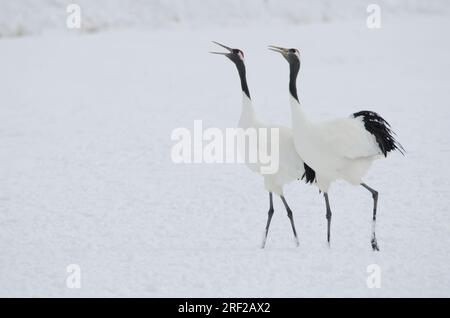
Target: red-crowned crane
338,149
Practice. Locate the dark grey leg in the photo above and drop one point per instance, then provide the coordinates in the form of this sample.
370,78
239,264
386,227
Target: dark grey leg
291,218
373,240
328,216
269,219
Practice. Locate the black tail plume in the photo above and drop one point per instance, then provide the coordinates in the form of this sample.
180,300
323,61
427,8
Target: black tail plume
309,175
381,129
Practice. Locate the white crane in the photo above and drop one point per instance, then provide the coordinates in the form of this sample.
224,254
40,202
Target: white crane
291,167
338,149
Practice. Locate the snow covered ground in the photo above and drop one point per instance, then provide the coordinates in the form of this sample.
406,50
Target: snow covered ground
86,176
31,17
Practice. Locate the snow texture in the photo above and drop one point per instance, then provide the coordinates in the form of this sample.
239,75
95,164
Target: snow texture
86,176
28,17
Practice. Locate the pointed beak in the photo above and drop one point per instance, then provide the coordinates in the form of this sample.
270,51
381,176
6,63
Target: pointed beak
224,46
278,49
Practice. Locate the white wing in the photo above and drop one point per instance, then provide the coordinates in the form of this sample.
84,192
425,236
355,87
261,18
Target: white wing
347,137
288,154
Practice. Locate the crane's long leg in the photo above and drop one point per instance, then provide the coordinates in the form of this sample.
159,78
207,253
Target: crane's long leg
291,218
328,216
373,240
269,219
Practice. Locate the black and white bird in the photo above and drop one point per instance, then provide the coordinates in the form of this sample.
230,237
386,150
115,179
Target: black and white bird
338,149
291,167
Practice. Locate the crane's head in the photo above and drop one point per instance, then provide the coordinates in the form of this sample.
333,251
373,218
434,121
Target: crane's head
293,58
291,55
235,55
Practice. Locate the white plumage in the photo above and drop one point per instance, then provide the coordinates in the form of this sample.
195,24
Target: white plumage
291,166
335,149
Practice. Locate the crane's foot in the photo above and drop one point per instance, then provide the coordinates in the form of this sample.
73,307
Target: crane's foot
263,244
374,244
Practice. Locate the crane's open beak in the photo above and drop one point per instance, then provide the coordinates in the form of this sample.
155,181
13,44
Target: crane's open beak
278,49
224,46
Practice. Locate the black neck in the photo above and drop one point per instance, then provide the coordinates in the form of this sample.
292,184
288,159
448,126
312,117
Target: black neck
294,67
241,69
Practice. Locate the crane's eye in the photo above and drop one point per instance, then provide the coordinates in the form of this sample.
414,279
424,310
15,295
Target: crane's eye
293,50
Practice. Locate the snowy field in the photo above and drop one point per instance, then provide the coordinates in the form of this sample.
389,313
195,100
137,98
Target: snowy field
86,175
